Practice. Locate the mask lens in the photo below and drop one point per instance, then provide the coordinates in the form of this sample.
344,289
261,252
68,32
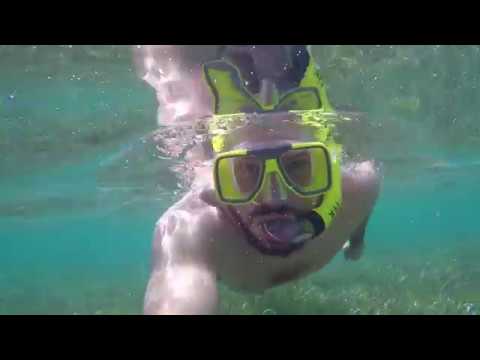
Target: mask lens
307,170
238,177
247,171
297,165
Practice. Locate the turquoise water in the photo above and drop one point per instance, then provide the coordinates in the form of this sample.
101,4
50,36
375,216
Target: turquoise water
81,186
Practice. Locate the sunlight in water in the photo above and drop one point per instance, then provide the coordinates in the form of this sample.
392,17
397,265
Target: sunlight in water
90,159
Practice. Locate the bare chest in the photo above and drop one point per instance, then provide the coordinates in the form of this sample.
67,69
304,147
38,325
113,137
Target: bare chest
243,267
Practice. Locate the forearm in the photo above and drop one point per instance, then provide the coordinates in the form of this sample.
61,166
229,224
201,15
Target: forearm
181,292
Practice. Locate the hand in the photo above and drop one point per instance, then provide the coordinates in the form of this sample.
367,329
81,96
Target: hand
353,253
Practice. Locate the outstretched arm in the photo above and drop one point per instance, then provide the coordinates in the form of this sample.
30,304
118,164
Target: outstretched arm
182,280
363,181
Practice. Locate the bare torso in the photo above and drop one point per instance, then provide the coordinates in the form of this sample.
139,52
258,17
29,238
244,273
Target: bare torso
198,241
193,232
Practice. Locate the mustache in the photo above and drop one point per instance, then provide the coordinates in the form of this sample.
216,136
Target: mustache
267,209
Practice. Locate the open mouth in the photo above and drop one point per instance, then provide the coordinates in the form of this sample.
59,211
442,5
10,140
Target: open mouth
277,233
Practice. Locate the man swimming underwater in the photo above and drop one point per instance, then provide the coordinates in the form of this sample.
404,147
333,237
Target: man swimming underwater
275,203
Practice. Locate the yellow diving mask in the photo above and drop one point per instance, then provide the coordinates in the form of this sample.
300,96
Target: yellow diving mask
304,168
308,169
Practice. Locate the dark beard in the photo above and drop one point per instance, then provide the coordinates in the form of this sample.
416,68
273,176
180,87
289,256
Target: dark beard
254,241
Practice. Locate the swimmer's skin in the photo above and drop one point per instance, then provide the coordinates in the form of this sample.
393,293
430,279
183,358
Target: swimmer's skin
196,244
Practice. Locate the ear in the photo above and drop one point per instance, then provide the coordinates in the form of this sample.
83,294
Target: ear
209,196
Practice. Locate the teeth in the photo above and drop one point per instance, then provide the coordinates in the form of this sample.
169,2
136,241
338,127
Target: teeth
301,238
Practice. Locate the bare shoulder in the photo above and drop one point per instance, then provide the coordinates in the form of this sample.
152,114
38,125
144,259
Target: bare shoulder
361,181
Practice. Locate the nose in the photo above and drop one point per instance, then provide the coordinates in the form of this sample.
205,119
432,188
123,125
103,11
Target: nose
273,192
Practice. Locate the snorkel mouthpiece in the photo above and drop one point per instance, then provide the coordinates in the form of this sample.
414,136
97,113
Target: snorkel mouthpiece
289,230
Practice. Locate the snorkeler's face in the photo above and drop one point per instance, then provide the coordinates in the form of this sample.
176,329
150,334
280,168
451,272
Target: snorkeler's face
271,219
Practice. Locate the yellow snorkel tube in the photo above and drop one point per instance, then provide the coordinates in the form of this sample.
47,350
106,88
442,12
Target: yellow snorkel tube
308,103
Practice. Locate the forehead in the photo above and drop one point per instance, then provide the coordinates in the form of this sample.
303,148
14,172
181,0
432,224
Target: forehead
271,129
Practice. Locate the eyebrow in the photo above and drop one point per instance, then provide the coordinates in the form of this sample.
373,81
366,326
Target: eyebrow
254,144
297,153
